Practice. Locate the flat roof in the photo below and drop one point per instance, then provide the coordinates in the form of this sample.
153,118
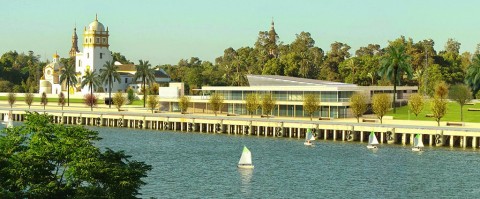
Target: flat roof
277,80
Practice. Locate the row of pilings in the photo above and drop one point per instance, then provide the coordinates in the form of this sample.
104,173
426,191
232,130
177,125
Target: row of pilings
271,128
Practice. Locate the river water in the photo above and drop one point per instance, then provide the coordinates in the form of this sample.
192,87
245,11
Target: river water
195,165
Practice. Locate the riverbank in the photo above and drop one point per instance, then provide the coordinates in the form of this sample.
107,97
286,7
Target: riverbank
133,116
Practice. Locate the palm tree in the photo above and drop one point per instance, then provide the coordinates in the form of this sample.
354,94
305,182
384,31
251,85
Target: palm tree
107,75
393,65
68,76
146,73
473,74
90,79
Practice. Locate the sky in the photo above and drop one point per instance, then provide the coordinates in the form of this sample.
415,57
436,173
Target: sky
165,31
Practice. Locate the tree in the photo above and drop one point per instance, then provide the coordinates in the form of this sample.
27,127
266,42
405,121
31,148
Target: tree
183,104
252,103
462,95
441,90
68,76
415,104
90,100
393,65
45,160
29,99
311,104
11,97
119,100
154,88
268,103
152,102
61,99
439,108
380,105
130,95
358,104
147,75
44,100
216,102
90,79
473,74
108,74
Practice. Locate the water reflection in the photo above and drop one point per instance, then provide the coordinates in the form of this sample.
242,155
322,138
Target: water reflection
246,178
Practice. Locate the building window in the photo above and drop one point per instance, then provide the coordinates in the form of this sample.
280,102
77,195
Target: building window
104,40
98,40
101,55
126,80
88,55
90,40
79,63
86,40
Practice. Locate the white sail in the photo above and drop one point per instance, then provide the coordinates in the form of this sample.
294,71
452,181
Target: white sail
308,136
246,158
417,141
372,139
5,117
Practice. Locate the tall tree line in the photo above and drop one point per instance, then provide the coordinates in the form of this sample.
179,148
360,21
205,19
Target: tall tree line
302,58
20,72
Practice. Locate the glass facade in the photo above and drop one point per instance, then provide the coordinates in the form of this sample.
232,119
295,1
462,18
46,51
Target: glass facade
284,110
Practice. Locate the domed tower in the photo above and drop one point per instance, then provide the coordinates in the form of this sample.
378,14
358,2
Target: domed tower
95,50
49,82
74,49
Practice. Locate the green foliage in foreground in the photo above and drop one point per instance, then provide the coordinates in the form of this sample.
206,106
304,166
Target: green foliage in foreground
453,113
45,160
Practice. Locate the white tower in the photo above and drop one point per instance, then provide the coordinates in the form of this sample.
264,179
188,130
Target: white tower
95,51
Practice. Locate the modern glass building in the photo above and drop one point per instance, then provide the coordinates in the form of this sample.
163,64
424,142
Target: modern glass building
289,93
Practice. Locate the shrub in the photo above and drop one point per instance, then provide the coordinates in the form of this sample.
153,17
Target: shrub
152,102
90,100
130,95
29,99
44,100
12,97
119,100
61,99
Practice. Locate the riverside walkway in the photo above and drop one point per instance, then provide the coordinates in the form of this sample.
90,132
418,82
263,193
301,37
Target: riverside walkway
134,116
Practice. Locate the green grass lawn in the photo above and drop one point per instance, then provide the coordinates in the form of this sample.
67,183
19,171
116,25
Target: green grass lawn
453,113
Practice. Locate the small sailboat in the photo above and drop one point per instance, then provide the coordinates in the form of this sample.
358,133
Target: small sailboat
309,138
246,159
372,141
417,143
7,120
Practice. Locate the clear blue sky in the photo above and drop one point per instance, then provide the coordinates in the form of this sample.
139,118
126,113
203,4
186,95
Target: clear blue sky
164,32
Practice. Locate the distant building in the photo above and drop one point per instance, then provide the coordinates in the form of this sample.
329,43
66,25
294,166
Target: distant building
94,56
95,51
50,81
289,93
